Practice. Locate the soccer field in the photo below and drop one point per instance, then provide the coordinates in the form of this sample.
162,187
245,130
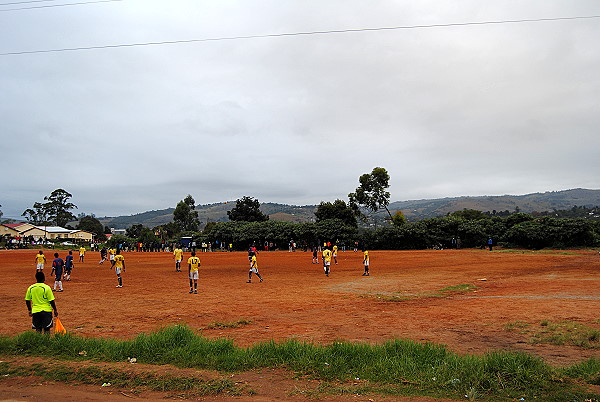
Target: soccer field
471,300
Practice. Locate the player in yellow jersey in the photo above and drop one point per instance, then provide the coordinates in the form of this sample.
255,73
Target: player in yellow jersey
326,261
366,262
119,264
40,260
111,256
335,251
253,269
81,253
178,256
193,264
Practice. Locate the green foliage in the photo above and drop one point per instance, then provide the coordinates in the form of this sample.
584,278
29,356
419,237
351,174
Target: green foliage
184,215
372,192
56,211
247,209
398,219
336,210
241,234
469,214
93,225
116,240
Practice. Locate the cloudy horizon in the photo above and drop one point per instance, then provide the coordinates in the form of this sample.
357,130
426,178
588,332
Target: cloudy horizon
450,110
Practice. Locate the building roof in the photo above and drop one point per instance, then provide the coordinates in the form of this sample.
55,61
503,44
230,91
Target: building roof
14,225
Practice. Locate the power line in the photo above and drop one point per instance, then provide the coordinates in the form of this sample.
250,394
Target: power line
53,5
278,35
24,2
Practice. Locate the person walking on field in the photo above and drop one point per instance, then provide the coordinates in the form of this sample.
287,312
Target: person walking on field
81,253
69,265
58,266
178,256
326,260
119,264
335,251
39,300
193,264
315,255
40,260
253,269
366,262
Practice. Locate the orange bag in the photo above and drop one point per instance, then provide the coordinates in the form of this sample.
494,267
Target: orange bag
58,327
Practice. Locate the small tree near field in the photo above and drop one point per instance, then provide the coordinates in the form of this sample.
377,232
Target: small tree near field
247,209
372,193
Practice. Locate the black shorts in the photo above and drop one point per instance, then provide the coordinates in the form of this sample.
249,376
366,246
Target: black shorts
41,320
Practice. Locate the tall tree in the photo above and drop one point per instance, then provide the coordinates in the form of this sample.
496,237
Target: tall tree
336,210
56,209
185,216
372,192
93,225
247,209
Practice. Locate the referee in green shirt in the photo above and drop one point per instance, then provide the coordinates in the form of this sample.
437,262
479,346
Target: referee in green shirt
40,303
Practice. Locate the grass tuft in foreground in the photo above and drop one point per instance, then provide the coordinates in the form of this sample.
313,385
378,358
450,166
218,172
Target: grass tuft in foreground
135,381
400,367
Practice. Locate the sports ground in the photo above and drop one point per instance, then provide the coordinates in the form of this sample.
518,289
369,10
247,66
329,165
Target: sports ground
473,301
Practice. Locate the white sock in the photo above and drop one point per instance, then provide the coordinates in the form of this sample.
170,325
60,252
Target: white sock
60,285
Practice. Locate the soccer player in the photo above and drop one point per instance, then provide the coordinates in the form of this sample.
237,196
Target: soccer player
68,265
326,260
366,262
57,268
335,251
178,255
251,252
193,264
40,303
103,254
40,260
81,253
111,256
315,255
119,264
253,269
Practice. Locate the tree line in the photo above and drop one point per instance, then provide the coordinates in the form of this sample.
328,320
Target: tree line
346,223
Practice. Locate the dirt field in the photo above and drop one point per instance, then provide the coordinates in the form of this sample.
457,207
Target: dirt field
297,300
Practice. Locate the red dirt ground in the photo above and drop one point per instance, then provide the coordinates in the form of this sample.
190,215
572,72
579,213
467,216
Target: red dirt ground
298,301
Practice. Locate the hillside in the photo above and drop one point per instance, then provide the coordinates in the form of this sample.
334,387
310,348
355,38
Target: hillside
413,210
540,202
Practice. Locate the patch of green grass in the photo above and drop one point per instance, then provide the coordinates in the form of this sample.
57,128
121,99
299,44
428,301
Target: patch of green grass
225,325
397,365
517,325
121,378
459,288
567,333
559,333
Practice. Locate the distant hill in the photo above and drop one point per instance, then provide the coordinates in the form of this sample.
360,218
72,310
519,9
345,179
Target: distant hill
213,213
536,202
413,210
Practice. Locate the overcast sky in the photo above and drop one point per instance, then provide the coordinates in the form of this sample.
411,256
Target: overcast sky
489,109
